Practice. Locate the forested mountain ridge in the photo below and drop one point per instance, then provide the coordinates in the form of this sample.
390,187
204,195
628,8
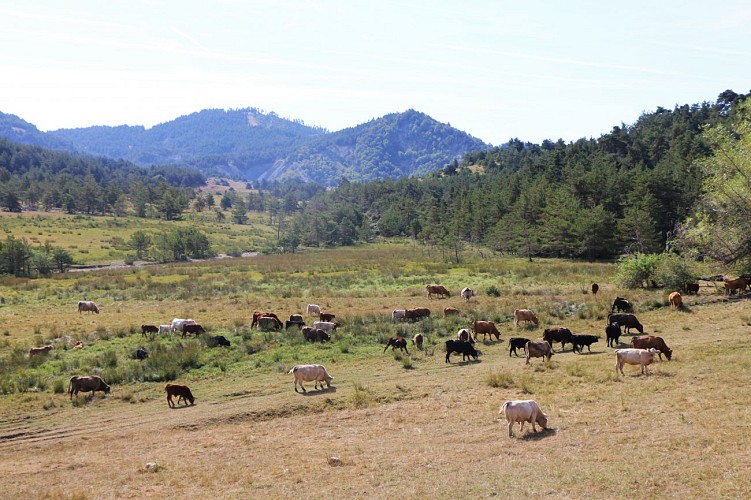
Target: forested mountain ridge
250,144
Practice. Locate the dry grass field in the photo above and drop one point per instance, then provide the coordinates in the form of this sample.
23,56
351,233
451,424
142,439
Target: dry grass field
399,426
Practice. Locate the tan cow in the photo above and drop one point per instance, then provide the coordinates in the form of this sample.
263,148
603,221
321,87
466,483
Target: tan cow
39,350
485,328
310,373
641,357
676,301
439,290
525,410
538,349
524,315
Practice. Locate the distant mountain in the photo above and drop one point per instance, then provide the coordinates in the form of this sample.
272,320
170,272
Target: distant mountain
250,144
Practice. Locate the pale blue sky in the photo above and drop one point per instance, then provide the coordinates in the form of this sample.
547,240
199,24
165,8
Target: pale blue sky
495,69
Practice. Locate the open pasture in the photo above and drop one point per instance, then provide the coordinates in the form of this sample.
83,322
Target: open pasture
392,424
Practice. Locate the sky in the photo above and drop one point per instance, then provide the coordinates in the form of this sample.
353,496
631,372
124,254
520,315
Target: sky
498,69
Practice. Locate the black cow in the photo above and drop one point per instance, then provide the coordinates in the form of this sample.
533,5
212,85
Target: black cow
692,288
290,322
216,340
397,343
460,347
142,353
315,334
622,305
515,343
626,320
557,334
579,341
613,333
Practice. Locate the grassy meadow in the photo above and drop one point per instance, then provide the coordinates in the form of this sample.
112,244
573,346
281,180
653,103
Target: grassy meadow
392,425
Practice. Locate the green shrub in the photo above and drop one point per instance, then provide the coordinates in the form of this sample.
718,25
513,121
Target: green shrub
673,272
636,270
492,291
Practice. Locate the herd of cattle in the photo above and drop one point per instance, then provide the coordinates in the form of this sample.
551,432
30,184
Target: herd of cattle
642,352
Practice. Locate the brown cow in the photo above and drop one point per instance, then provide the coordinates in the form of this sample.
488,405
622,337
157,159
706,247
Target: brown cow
416,313
86,384
417,340
538,349
595,288
650,341
439,290
153,330
676,301
737,284
259,314
39,350
450,311
195,329
181,391
485,328
326,316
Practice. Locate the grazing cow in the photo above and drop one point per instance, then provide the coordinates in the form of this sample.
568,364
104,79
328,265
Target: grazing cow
557,334
595,288
218,340
467,293
450,311
310,373
465,335
523,411
178,324
78,345
737,284
268,323
315,334
538,349
39,350
676,301
193,328
515,343
622,305
263,314
397,343
692,288
327,326
416,313
398,315
417,340
524,315
642,357
579,341
141,353
86,384
460,347
613,333
628,321
313,310
87,306
296,318
298,324
165,329
326,316
439,290
181,391
485,328
153,330
650,341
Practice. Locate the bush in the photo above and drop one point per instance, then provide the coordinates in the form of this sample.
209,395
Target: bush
673,272
636,270
493,291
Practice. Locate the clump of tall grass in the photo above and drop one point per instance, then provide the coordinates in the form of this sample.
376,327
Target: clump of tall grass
503,380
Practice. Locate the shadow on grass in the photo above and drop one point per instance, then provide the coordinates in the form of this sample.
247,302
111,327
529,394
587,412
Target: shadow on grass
180,407
536,436
463,363
314,392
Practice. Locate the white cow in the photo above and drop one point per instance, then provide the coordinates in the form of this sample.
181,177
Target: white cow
87,305
326,326
165,329
524,410
310,373
467,293
398,314
179,323
313,310
642,357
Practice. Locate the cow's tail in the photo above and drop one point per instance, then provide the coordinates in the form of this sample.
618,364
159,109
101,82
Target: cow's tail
70,386
503,408
292,370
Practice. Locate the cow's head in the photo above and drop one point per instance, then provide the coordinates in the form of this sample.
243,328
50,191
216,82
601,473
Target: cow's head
668,354
542,420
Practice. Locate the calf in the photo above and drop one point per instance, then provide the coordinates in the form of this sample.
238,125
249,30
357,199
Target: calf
515,343
460,347
326,316
613,333
450,311
165,329
181,391
538,349
310,373
579,341
417,340
152,329
523,411
642,357
649,341
397,343
218,340
628,321
141,353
